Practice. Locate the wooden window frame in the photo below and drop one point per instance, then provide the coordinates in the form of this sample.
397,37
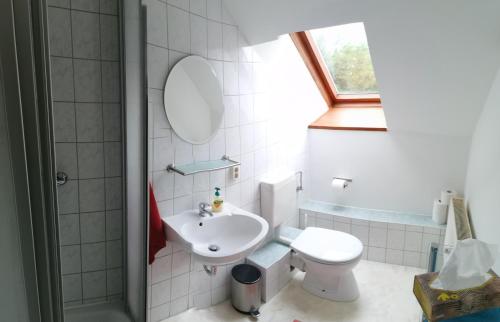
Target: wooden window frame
334,118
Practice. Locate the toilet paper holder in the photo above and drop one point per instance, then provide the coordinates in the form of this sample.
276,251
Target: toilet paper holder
347,181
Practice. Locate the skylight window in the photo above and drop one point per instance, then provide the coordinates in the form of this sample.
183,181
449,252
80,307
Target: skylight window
344,50
339,61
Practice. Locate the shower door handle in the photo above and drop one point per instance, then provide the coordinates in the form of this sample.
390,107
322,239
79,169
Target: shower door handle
61,178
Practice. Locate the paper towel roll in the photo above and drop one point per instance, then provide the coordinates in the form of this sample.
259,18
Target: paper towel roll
439,212
446,196
339,183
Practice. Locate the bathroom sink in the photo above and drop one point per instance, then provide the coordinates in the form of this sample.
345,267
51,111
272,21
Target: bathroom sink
227,237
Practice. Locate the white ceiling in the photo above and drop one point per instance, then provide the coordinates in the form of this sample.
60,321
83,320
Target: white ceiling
434,60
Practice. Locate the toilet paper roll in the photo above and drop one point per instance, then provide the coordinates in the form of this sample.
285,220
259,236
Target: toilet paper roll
439,212
446,196
339,184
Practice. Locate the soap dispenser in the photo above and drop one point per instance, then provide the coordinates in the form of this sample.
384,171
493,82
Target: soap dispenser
218,201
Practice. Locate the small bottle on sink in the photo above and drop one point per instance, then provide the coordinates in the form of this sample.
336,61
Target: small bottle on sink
218,202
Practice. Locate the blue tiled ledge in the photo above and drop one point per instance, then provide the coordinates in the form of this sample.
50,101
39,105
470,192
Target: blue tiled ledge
269,254
384,216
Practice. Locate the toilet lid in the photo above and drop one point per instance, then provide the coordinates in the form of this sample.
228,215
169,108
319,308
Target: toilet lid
327,246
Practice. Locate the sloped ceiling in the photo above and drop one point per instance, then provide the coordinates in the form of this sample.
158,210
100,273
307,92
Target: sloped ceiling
434,60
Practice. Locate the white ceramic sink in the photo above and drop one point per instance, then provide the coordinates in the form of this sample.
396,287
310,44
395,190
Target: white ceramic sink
227,237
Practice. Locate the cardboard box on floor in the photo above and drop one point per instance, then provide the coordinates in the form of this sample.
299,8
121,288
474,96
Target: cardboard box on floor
439,305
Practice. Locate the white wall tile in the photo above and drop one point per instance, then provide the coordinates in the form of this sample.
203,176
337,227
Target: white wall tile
161,269
323,223
157,62
360,232
159,313
396,226
180,286
434,231
413,241
157,23
248,138
178,305
260,135
395,239
218,179
230,78
230,43
161,126
214,10
360,222
183,185
178,29
232,111
414,228
378,237
233,141
199,281
378,224
376,254
220,294
202,196
411,258
201,182
163,185
198,35
394,256
94,284
218,145
198,7
182,4
183,203
233,194
218,66
246,109
181,262
214,40
246,78
247,166
245,50
163,153
166,208
342,226
160,292
183,151
201,152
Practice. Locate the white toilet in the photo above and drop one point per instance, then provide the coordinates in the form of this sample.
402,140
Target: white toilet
329,255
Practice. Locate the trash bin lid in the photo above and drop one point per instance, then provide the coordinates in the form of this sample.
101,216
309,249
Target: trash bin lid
246,274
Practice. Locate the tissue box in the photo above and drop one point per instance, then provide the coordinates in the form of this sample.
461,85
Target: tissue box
439,305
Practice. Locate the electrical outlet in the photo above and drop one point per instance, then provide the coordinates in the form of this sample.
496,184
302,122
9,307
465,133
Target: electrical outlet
236,172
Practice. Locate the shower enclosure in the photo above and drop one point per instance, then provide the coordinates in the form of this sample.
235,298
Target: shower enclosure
67,129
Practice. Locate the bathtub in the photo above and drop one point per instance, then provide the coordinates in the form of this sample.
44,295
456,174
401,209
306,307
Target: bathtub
105,312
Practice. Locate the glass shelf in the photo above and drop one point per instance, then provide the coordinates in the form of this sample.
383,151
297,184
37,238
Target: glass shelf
202,166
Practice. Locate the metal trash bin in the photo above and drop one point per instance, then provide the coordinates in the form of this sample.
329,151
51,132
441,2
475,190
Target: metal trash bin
246,289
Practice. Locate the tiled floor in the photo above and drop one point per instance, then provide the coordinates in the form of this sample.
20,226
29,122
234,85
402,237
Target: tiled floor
386,296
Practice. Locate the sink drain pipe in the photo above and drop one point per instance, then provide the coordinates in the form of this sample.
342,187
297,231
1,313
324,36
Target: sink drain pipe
210,270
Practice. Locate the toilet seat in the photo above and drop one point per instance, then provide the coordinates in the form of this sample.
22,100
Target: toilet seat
327,246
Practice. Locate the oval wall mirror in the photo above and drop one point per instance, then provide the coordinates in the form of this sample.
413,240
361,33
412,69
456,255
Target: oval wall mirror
193,100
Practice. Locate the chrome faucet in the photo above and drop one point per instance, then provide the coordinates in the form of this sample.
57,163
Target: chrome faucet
202,206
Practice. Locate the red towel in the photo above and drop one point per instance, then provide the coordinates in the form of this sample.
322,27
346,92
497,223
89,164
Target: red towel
157,238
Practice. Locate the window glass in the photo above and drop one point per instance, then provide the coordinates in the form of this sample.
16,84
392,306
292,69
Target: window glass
345,51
